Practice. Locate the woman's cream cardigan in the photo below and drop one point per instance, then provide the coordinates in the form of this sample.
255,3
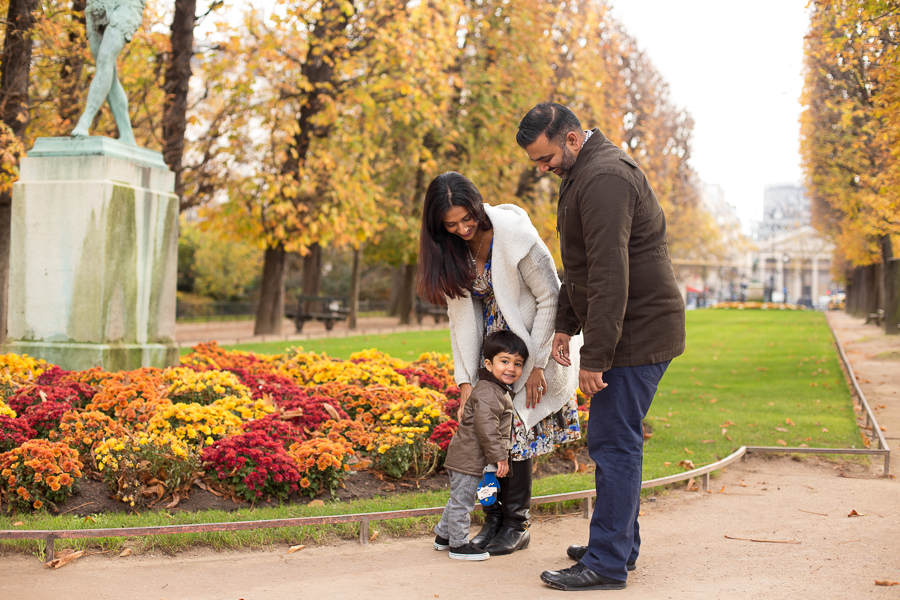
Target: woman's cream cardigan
526,288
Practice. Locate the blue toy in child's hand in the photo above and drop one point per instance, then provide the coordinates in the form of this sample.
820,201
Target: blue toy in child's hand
488,489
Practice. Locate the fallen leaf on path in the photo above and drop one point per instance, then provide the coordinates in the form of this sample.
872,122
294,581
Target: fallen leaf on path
293,549
722,490
640,513
853,513
125,552
692,485
886,582
58,563
743,484
374,536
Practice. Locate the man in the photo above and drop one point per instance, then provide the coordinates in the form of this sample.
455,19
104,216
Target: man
620,290
110,25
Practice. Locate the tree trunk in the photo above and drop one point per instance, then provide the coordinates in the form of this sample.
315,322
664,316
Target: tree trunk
178,76
354,289
312,273
270,313
15,71
886,290
70,84
407,303
396,291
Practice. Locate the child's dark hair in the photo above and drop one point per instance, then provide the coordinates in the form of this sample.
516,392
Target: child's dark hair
504,341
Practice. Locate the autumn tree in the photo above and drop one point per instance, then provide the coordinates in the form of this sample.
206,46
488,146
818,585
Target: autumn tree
15,68
850,130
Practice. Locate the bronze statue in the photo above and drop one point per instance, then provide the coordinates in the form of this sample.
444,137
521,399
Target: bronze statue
110,25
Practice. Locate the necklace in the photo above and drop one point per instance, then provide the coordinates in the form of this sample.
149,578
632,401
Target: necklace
477,252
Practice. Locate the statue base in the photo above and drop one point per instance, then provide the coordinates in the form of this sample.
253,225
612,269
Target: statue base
94,256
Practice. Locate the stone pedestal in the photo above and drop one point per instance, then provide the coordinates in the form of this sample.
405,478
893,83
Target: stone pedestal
94,256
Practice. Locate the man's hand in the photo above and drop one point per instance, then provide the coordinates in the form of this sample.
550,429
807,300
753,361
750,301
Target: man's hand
502,468
465,390
535,387
559,350
590,382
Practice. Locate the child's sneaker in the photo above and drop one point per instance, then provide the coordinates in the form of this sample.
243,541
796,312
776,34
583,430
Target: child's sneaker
441,543
468,552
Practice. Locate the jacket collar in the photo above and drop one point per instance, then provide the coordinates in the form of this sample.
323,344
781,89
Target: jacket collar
590,146
485,375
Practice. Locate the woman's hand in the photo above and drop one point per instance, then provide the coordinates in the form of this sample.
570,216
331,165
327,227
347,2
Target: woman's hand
535,387
465,390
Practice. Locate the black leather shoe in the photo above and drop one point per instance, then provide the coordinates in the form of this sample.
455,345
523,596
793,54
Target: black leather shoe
577,552
579,577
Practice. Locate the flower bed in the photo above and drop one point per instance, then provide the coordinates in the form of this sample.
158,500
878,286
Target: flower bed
249,426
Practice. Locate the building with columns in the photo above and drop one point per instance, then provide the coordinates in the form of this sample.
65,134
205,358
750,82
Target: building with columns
792,266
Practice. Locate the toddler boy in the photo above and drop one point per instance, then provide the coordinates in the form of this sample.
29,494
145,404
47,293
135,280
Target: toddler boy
482,440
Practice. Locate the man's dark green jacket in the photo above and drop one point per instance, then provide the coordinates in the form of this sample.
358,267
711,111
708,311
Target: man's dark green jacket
619,285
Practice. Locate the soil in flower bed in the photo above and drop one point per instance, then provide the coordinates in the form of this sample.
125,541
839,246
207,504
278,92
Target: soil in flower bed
93,497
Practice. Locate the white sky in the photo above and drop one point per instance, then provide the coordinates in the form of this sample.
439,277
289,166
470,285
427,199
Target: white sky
737,68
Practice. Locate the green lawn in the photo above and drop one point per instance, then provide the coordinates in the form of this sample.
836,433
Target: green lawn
747,378
763,376
750,372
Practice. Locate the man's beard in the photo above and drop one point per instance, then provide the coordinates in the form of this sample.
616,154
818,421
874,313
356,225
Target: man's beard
567,161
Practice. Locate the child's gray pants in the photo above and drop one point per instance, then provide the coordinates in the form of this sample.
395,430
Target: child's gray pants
455,521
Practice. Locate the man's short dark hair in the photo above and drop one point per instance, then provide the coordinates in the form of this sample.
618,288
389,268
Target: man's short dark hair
552,119
504,341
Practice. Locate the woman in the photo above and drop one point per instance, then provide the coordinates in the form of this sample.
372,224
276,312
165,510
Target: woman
491,268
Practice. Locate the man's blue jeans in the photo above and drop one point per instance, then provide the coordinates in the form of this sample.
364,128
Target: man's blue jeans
616,444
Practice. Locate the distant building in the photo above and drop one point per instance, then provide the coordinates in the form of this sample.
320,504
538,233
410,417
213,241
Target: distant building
791,262
785,208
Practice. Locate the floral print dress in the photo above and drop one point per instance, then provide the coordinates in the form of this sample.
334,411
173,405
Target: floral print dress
553,430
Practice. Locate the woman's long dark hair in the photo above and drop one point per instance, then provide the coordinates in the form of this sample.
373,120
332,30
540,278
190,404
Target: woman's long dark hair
445,269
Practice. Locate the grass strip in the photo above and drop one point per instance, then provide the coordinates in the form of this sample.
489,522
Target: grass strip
408,345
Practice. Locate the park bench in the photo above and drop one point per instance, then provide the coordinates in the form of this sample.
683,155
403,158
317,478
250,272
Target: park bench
327,309
876,317
426,308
